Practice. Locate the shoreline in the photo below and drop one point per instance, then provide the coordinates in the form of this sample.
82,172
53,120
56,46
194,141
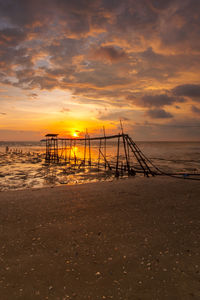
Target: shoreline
124,239
109,179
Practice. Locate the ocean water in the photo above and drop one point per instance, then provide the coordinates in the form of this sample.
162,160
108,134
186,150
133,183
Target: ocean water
22,164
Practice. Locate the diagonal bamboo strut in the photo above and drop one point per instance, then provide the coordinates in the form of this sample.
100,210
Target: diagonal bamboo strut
138,154
106,162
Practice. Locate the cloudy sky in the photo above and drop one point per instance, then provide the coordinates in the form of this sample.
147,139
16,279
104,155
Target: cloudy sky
69,65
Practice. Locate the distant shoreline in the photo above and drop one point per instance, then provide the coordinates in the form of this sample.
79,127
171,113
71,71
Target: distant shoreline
136,141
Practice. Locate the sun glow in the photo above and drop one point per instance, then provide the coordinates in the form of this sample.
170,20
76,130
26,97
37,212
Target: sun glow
75,134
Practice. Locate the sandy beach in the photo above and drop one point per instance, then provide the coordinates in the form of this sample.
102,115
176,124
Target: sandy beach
128,239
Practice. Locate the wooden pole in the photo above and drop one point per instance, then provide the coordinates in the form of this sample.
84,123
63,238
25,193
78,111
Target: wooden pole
65,151
109,166
125,151
117,163
47,151
70,149
104,133
74,153
89,151
99,158
85,146
54,150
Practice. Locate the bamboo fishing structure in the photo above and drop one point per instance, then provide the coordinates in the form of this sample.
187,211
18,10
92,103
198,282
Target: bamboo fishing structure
129,159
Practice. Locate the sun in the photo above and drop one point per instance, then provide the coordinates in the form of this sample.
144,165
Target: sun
74,134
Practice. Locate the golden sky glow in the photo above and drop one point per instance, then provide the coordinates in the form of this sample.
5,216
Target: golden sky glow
70,65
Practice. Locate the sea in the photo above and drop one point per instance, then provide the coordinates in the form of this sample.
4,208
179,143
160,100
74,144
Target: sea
23,166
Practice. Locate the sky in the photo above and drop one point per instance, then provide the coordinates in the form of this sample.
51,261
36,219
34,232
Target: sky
70,65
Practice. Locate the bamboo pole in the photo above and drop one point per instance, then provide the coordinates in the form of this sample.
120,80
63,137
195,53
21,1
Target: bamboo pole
104,133
125,151
70,149
90,160
94,138
65,150
99,158
74,153
85,146
117,163
109,166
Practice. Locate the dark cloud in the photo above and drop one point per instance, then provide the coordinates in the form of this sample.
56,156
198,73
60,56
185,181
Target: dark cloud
62,51
180,25
161,4
19,12
13,61
76,6
77,17
161,67
2,113
136,15
157,100
74,15
111,5
12,36
58,72
158,114
101,77
195,109
110,53
188,90
154,100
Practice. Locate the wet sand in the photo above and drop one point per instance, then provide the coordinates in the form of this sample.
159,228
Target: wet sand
129,239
